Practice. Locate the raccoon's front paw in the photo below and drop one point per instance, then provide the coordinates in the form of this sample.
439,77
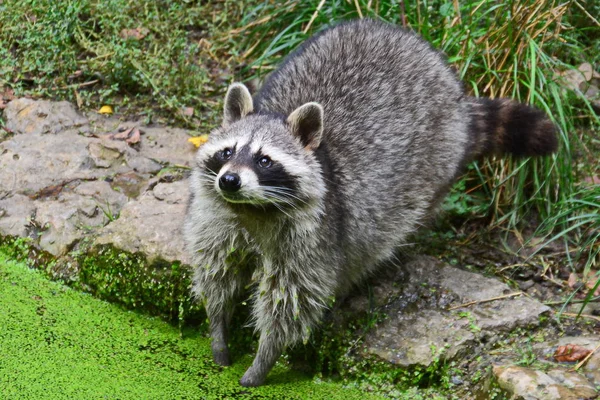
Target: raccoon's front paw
221,356
252,378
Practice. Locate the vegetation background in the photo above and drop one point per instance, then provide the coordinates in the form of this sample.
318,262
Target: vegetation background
170,61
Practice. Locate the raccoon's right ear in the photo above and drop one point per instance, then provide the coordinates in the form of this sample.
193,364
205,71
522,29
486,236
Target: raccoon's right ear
238,103
306,123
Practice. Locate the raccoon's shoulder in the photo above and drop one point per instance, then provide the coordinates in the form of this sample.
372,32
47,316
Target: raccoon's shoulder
360,58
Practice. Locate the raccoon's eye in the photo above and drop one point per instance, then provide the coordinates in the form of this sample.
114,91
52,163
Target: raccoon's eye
264,162
226,154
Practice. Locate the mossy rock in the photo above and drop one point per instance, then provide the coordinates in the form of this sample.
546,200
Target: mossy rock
159,288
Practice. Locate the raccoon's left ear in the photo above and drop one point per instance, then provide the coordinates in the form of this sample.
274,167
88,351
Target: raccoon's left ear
238,103
306,123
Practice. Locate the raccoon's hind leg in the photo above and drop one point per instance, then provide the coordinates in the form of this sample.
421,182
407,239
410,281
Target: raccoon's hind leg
218,285
286,307
270,348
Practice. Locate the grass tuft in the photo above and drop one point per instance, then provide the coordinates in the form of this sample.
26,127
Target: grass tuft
150,57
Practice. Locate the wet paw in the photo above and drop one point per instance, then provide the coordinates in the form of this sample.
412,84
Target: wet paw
221,357
250,379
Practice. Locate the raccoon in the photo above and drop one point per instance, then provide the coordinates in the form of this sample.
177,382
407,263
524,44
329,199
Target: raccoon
346,149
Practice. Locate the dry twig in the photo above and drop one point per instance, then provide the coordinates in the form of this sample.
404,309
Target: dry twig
80,85
585,359
506,296
314,16
586,13
575,315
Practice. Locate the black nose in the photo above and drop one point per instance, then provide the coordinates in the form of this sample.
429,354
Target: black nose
230,182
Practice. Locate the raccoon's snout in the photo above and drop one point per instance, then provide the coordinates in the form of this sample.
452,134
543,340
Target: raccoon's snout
230,182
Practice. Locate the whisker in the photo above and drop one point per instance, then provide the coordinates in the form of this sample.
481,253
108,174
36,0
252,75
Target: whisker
279,200
276,199
278,195
282,210
207,175
207,178
281,195
285,192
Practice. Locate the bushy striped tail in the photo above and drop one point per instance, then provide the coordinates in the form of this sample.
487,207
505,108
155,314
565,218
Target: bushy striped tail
503,126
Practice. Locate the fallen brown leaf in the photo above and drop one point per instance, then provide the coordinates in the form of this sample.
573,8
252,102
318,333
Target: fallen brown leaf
78,98
205,44
135,137
129,135
587,70
572,281
8,94
121,135
595,180
137,33
591,281
570,353
187,111
75,75
49,191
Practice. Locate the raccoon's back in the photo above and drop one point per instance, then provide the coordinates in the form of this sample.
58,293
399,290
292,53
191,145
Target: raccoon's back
356,66
395,125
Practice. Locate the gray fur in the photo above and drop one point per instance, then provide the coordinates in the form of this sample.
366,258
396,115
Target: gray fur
351,177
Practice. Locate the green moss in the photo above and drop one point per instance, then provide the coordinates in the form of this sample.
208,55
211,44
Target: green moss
160,288
16,248
53,48
61,344
336,351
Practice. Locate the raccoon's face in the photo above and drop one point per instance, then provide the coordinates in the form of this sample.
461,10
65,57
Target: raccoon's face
262,159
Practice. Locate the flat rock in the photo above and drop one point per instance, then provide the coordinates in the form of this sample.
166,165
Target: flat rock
529,384
29,163
152,224
413,339
26,116
131,183
419,327
171,144
57,222
103,195
15,215
64,176
578,384
591,369
172,193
